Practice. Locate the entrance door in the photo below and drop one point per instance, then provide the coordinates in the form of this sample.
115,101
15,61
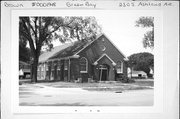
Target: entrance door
103,73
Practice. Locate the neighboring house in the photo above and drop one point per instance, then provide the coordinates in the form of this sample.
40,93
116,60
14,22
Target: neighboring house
24,69
98,60
151,73
137,74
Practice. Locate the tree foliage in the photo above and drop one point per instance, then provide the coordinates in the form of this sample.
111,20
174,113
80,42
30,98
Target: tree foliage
141,62
41,31
147,22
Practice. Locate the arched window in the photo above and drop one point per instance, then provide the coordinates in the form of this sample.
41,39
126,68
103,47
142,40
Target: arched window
47,66
59,66
83,65
65,64
119,67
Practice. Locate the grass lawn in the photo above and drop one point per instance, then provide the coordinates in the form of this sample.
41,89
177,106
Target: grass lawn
104,86
145,82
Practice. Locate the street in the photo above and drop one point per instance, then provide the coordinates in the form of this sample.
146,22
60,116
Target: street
41,95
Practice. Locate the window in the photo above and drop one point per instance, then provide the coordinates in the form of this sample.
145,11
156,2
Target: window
102,47
83,65
47,67
102,39
119,67
52,66
65,64
58,67
42,69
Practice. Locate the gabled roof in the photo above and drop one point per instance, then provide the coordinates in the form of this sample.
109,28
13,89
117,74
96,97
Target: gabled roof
104,55
48,54
65,50
125,58
68,50
23,63
88,44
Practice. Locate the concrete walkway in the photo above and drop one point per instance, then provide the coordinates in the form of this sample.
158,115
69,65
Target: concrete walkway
40,95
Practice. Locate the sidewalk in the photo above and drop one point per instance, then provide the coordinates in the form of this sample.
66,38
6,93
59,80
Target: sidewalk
40,95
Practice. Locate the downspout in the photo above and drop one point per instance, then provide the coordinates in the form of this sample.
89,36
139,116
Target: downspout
69,70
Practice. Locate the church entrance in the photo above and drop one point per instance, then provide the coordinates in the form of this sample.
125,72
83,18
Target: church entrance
103,72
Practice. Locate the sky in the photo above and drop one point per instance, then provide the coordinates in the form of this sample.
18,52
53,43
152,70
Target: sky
119,27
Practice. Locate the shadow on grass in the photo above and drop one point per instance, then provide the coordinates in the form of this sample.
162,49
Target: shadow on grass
56,104
116,89
39,81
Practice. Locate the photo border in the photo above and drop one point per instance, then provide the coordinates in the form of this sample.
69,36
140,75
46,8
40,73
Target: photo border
158,63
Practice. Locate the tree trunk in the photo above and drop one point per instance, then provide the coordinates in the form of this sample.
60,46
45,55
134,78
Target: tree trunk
34,70
31,71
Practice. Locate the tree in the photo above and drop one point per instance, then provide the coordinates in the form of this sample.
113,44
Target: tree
24,52
40,31
141,62
147,22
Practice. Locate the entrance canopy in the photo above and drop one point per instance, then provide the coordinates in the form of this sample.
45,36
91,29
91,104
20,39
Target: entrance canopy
102,56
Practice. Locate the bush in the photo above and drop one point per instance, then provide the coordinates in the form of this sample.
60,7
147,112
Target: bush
125,79
128,80
20,83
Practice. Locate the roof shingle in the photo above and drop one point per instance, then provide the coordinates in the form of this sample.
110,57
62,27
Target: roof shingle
45,56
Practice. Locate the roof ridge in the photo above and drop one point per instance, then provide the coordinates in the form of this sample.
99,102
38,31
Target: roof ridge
48,54
103,55
88,44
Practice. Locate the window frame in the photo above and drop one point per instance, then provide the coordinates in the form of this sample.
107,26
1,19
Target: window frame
84,71
65,65
119,66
